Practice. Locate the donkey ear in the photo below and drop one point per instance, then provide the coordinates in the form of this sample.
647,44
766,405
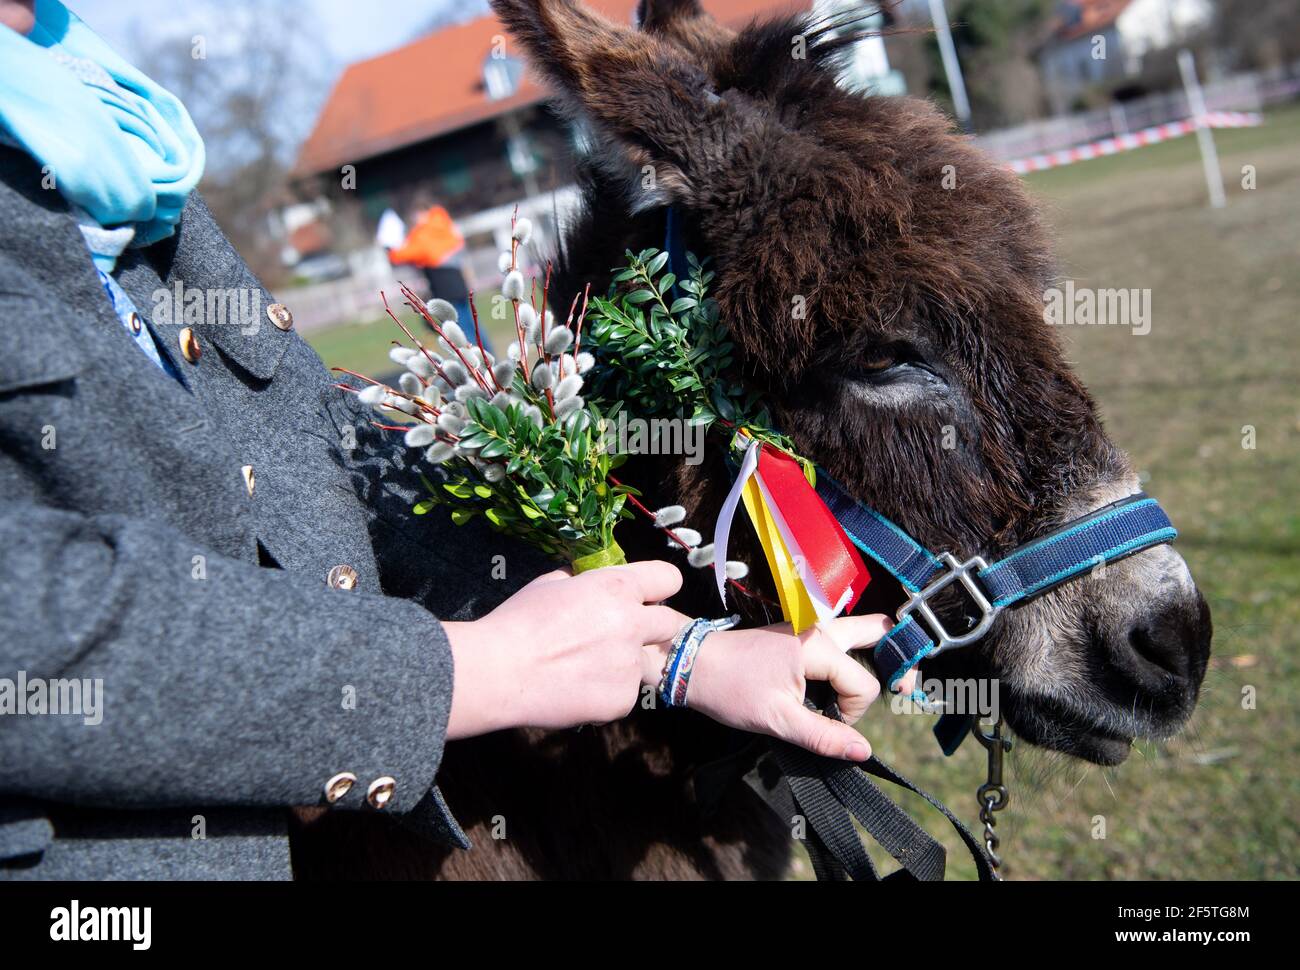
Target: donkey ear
644,101
685,23
657,14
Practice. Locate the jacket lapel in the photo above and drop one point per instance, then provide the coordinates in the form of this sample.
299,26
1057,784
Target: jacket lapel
200,257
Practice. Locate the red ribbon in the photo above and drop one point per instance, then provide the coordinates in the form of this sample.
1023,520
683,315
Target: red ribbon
830,557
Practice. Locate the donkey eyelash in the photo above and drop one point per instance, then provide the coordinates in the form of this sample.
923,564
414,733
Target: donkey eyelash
892,360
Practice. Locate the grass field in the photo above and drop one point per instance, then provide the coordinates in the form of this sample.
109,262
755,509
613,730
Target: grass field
1223,799
363,346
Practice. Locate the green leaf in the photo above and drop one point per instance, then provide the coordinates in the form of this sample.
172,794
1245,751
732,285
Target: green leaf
424,507
639,296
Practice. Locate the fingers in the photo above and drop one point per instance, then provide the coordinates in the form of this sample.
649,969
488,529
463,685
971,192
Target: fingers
656,580
821,735
856,632
908,683
855,686
659,624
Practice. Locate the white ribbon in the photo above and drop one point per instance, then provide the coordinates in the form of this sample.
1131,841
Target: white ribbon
722,529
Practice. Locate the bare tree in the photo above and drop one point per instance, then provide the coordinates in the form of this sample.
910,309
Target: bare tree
1257,34
253,77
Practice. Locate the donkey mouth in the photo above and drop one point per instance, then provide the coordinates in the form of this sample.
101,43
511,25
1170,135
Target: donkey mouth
1102,732
1048,725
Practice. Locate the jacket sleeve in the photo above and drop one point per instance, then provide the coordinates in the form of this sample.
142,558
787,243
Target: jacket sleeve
204,680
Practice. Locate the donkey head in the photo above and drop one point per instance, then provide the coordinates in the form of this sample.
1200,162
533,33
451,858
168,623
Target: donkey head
883,283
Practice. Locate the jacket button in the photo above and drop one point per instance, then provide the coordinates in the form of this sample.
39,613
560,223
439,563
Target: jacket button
280,316
342,577
136,322
190,349
339,785
249,480
380,791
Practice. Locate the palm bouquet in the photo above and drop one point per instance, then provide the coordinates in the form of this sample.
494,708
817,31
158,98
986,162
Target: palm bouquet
525,443
513,439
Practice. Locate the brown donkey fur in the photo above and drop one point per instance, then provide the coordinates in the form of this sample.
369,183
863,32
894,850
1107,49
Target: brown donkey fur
920,320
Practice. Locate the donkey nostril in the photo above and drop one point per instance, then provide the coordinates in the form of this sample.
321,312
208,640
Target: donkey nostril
1158,648
1176,639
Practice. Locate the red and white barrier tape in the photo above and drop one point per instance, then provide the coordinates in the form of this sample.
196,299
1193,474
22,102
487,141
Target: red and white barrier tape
1124,143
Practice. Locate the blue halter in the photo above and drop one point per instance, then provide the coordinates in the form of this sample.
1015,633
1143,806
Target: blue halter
1110,533
1106,535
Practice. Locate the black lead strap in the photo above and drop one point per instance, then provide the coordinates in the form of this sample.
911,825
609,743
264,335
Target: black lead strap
828,794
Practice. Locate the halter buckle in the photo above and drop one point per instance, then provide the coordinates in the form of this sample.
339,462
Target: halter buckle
954,572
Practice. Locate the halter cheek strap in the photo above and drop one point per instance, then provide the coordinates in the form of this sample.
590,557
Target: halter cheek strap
1106,535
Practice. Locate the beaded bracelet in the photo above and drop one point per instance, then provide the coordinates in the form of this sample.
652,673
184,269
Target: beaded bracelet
676,677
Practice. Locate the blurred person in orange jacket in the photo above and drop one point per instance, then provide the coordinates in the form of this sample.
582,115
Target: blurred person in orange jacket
435,245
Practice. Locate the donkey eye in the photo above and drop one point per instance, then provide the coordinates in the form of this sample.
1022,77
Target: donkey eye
878,364
894,364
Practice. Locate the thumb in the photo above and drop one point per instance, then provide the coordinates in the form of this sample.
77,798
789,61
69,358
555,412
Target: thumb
857,632
821,735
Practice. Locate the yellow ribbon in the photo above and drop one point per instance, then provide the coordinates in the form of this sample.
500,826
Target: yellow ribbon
796,606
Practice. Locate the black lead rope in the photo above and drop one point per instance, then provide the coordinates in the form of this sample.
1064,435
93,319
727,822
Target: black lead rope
828,794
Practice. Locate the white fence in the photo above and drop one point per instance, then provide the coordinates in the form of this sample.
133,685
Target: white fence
1243,92
355,298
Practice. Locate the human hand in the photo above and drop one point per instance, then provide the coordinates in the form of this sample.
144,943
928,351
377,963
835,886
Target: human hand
755,680
562,651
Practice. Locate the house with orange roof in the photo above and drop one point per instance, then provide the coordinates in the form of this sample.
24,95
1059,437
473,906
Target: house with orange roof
456,118
1096,44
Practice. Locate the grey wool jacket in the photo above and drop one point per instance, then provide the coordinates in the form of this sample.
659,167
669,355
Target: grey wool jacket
232,562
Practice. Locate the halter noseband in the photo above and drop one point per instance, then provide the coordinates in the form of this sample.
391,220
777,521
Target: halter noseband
1103,536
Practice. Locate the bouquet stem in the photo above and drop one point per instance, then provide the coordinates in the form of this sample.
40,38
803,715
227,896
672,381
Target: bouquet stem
611,555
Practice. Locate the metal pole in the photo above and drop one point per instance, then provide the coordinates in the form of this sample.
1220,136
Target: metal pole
1204,137
951,66
1118,119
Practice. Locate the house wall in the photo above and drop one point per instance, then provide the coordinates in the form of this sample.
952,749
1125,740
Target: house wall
1070,68
467,171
